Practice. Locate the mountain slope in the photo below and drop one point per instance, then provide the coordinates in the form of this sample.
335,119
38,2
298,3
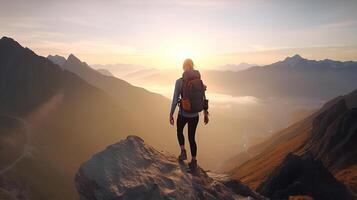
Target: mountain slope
328,135
68,120
139,103
131,169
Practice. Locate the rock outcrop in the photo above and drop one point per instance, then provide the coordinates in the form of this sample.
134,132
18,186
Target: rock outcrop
134,170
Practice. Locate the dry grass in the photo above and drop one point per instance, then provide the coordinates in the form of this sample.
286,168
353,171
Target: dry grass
349,177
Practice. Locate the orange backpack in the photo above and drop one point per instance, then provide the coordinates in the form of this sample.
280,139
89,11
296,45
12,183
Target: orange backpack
193,92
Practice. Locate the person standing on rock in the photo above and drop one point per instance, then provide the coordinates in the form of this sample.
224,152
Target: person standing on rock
189,94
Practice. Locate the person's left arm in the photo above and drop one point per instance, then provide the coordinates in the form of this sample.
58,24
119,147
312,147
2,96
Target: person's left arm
175,100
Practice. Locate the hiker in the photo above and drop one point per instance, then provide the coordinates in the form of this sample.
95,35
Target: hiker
189,94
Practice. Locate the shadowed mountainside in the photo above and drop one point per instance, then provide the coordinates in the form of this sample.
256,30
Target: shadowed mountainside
68,120
62,112
303,175
329,135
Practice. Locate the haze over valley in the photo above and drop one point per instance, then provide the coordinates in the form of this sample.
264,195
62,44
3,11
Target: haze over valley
297,86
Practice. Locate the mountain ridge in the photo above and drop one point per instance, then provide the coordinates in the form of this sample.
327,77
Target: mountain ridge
298,61
292,78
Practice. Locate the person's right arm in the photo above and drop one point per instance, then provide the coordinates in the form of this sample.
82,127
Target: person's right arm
205,111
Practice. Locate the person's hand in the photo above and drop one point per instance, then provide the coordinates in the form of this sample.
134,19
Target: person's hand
206,118
171,119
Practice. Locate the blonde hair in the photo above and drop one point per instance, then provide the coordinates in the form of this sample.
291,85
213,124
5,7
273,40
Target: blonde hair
188,64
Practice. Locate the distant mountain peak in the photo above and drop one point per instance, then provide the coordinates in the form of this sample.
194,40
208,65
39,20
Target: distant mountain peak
296,57
293,60
59,60
4,38
56,56
9,42
73,59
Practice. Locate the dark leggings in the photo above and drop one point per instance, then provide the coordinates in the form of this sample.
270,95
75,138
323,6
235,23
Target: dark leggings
192,125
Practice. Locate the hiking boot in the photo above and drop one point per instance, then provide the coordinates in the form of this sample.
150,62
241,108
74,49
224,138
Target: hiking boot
193,165
183,155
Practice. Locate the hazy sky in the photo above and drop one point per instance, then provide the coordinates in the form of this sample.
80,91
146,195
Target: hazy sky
162,33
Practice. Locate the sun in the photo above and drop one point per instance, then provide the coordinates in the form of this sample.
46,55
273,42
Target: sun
178,54
173,53
184,54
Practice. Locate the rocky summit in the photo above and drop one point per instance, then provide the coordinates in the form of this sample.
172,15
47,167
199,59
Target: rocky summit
134,170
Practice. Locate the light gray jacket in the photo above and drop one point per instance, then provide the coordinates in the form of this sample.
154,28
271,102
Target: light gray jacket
175,100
